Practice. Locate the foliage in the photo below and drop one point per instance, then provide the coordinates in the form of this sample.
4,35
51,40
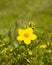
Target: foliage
21,14
14,52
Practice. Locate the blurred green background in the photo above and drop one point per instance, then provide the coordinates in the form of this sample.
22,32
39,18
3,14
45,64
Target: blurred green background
24,11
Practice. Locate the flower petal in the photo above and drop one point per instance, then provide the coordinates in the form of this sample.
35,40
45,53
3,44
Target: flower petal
27,41
20,38
20,31
33,37
29,30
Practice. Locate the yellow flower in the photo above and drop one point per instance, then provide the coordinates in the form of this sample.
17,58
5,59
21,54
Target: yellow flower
43,46
26,35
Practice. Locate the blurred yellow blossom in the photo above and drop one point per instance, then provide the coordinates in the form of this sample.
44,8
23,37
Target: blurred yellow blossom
26,35
43,46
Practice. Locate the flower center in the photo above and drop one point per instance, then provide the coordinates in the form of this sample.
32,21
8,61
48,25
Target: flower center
26,35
